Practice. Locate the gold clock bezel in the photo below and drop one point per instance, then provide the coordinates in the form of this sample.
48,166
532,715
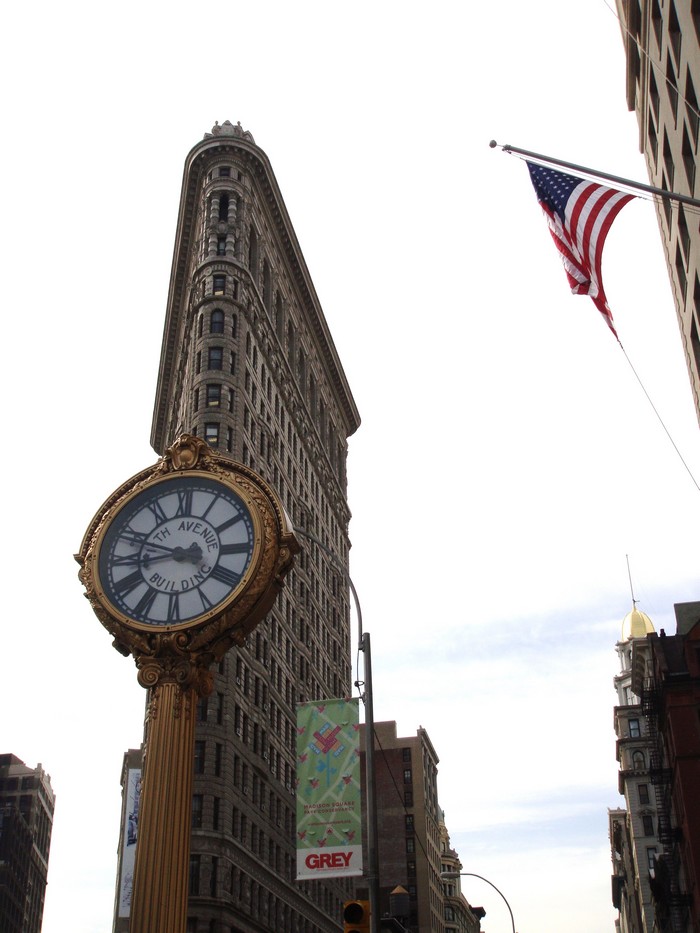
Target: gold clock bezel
215,611
199,641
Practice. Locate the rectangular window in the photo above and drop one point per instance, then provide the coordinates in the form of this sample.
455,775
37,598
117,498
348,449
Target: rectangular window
674,33
407,777
634,728
195,867
688,159
225,171
644,793
213,395
197,807
217,759
202,709
220,250
199,748
214,877
648,823
651,857
215,813
216,358
211,434
219,285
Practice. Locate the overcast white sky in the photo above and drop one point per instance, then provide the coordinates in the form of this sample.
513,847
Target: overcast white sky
507,461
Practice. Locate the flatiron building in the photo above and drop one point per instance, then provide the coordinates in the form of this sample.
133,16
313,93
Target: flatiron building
248,363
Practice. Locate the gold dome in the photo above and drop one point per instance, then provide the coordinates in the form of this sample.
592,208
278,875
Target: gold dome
636,624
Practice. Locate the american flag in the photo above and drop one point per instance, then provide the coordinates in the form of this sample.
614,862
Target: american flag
579,214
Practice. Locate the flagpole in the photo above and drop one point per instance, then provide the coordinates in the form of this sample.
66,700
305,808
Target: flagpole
627,182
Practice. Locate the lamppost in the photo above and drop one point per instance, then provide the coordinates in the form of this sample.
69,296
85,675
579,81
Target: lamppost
447,875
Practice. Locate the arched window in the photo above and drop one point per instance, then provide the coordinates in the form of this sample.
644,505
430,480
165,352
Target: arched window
638,761
216,321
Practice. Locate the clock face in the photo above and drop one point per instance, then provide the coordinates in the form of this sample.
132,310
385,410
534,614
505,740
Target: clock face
176,551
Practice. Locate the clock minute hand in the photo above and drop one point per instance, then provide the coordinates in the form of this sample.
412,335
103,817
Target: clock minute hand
193,554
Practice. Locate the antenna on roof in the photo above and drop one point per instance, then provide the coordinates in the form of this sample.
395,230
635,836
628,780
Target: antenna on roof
629,574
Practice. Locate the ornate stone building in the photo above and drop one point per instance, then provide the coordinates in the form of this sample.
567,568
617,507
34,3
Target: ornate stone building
655,840
634,828
248,363
26,819
662,45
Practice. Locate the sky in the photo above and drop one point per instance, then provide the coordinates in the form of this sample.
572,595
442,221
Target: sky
507,462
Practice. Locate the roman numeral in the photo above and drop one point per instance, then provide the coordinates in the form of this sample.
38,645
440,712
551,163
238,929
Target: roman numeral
157,510
127,560
173,608
242,548
184,502
143,606
128,583
205,602
229,523
223,575
135,538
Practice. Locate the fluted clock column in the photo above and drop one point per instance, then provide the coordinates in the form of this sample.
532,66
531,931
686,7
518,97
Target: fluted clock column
180,563
162,854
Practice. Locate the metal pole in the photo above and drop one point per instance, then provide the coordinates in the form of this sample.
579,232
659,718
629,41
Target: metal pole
446,875
626,182
372,835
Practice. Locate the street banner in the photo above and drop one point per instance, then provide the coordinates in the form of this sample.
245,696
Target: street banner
130,817
329,812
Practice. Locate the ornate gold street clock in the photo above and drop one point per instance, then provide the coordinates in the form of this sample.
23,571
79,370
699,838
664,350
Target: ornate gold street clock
184,559
180,563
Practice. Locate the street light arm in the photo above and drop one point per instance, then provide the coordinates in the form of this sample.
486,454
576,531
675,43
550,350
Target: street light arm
470,874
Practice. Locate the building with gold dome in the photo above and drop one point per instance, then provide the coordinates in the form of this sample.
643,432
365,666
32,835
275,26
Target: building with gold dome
655,839
633,829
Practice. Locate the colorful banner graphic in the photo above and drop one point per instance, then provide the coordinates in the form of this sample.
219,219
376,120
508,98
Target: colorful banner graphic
329,817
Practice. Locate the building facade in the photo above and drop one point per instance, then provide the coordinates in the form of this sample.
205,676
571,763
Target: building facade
669,685
460,916
662,45
26,818
248,363
633,830
411,831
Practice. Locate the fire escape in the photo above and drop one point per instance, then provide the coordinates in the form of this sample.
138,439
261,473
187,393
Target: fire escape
670,902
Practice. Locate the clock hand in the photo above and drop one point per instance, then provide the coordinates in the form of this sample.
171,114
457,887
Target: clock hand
193,554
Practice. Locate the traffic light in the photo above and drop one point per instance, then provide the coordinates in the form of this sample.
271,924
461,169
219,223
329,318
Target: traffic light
356,917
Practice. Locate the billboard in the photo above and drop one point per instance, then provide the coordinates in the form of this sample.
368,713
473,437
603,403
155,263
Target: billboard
132,800
329,813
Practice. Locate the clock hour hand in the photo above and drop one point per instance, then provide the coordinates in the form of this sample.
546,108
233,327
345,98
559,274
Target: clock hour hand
193,554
